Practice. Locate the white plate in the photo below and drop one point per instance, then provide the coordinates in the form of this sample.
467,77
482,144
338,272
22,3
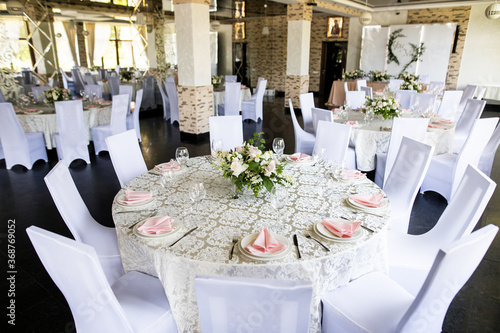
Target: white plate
177,227
382,208
323,231
121,197
162,172
288,159
264,256
36,112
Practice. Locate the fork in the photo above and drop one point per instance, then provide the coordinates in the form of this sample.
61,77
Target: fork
235,240
308,235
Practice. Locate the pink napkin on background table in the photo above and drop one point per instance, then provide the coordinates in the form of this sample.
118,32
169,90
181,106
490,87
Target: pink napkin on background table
299,157
170,166
353,174
351,122
92,106
134,198
434,126
341,229
368,200
443,121
31,110
265,243
157,225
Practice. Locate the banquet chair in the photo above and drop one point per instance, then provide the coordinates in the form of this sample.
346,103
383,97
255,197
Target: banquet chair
367,90
169,79
413,128
405,97
304,142
126,156
435,87
334,139
346,87
90,89
472,111
148,97
488,155
102,74
165,102
78,81
229,129
254,95
134,303
402,183
19,147
83,226
231,100
2,155
133,118
422,102
425,79
173,100
410,256
360,83
68,82
375,303
481,93
449,104
320,114
38,92
114,85
89,79
230,79
468,93
355,99
231,304
252,109
126,90
394,84
306,104
117,125
72,139
446,170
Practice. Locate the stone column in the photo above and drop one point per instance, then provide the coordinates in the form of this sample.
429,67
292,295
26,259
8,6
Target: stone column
299,18
82,48
193,47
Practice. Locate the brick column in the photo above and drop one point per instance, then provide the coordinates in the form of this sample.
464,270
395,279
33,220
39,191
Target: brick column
299,18
82,48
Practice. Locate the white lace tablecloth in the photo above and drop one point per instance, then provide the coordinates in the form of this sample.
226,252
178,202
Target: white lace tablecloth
219,98
206,250
47,122
373,139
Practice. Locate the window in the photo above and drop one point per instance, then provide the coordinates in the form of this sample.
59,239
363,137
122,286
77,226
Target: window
25,51
125,48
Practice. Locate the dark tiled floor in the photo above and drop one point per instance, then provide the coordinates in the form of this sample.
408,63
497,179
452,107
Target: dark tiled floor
40,307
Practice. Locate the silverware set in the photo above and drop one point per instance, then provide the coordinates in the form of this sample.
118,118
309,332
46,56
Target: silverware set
296,243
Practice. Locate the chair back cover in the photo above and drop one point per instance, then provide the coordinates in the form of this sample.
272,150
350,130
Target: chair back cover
486,160
346,87
425,79
38,92
424,101
14,142
334,138
469,92
355,99
481,93
230,78
306,104
173,100
394,84
126,156
320,114
452,268
114,85
304,142
402,184
449,104
135,114
73,137
127,90
232,98
102,74
75,269
148,97
436,87
360,83
253,109
472,111
367,90
229,129
89,79
119,110
78,80
405,97
27,76
228,304
90,89
165,102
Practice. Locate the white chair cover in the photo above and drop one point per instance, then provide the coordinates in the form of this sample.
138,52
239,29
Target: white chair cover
334,138
472,111
355,99
306,104
404,180
78,80
250,305
304,142
129,91
486,161
102,74
126,156
82,225
394,84
411,256
19,147
117,125
448,108
71,141
165,102
114,85
375,303
320,114
360,83
346,87
90,89
173,99
89,79
424,101
38,92
425,79
436,87
367,90
231,106
230,78
133,118
134,303
252,109
413,128
229,129
481,93
148,97
68,83
469,92
405,97
446,170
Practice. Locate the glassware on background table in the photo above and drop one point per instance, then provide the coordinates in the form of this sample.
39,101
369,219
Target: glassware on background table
182,156
215,146
278,147
319,155
415,107
338,170
278,199
369,116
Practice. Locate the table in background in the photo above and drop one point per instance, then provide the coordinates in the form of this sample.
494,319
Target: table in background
206,250
219,98
337,93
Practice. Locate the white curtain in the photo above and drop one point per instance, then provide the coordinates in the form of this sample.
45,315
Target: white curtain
140,52
102,34
69,27
90,27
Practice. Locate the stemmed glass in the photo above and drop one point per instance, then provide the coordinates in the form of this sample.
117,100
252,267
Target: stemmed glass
325,190
216,145
197,193
369,116
319,155
338,171
415,108
278,147
182,156
279,197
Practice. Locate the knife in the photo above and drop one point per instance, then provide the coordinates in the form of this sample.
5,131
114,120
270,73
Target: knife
296,243
187,233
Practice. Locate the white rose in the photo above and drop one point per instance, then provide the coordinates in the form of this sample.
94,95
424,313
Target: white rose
238,167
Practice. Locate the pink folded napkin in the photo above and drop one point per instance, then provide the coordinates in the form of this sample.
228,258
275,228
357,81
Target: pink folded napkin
157,225
351,122
443,121
341,229
265,243
92,106
31,110
368,200
299,157
406,111
336,110
170,166
434,126
353,174
135,198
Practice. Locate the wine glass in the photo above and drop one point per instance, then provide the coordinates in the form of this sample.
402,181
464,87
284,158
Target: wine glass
338,171
279,197
197,193
278,147
415,107
325,190
319,155
369,116
182,156
216,145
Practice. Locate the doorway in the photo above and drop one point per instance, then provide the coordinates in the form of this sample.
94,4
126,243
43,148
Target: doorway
333,62
240,62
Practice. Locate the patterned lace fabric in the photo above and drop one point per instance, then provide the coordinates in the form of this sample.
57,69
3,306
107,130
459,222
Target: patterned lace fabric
219,217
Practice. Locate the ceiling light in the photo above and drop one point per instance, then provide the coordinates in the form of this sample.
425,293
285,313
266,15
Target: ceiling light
215,25
365,17
493,11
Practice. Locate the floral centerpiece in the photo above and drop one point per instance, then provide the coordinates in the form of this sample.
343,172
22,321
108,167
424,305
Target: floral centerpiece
386,106
379,76
217,81
353,75
410,82
249,165
126,75
56,95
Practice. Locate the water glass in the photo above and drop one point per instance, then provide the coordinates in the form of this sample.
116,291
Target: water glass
182,156
319,155
216,145
278,199
338,171
278,147
197,193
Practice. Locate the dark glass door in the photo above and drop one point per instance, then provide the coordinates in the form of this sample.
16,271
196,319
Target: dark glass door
333,62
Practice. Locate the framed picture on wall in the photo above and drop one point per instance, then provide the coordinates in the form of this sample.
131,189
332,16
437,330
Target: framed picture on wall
334,27
239,30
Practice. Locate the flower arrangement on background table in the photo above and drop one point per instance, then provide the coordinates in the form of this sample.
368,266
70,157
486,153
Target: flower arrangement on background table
353,75
378,76
410,82
56,95
126,75
386,106
250,166
217,81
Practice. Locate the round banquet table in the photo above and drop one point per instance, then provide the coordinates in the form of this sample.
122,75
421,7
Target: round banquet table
337,92
219,217
374,138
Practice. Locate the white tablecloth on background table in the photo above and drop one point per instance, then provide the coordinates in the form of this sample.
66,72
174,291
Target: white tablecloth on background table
219,98
206,250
